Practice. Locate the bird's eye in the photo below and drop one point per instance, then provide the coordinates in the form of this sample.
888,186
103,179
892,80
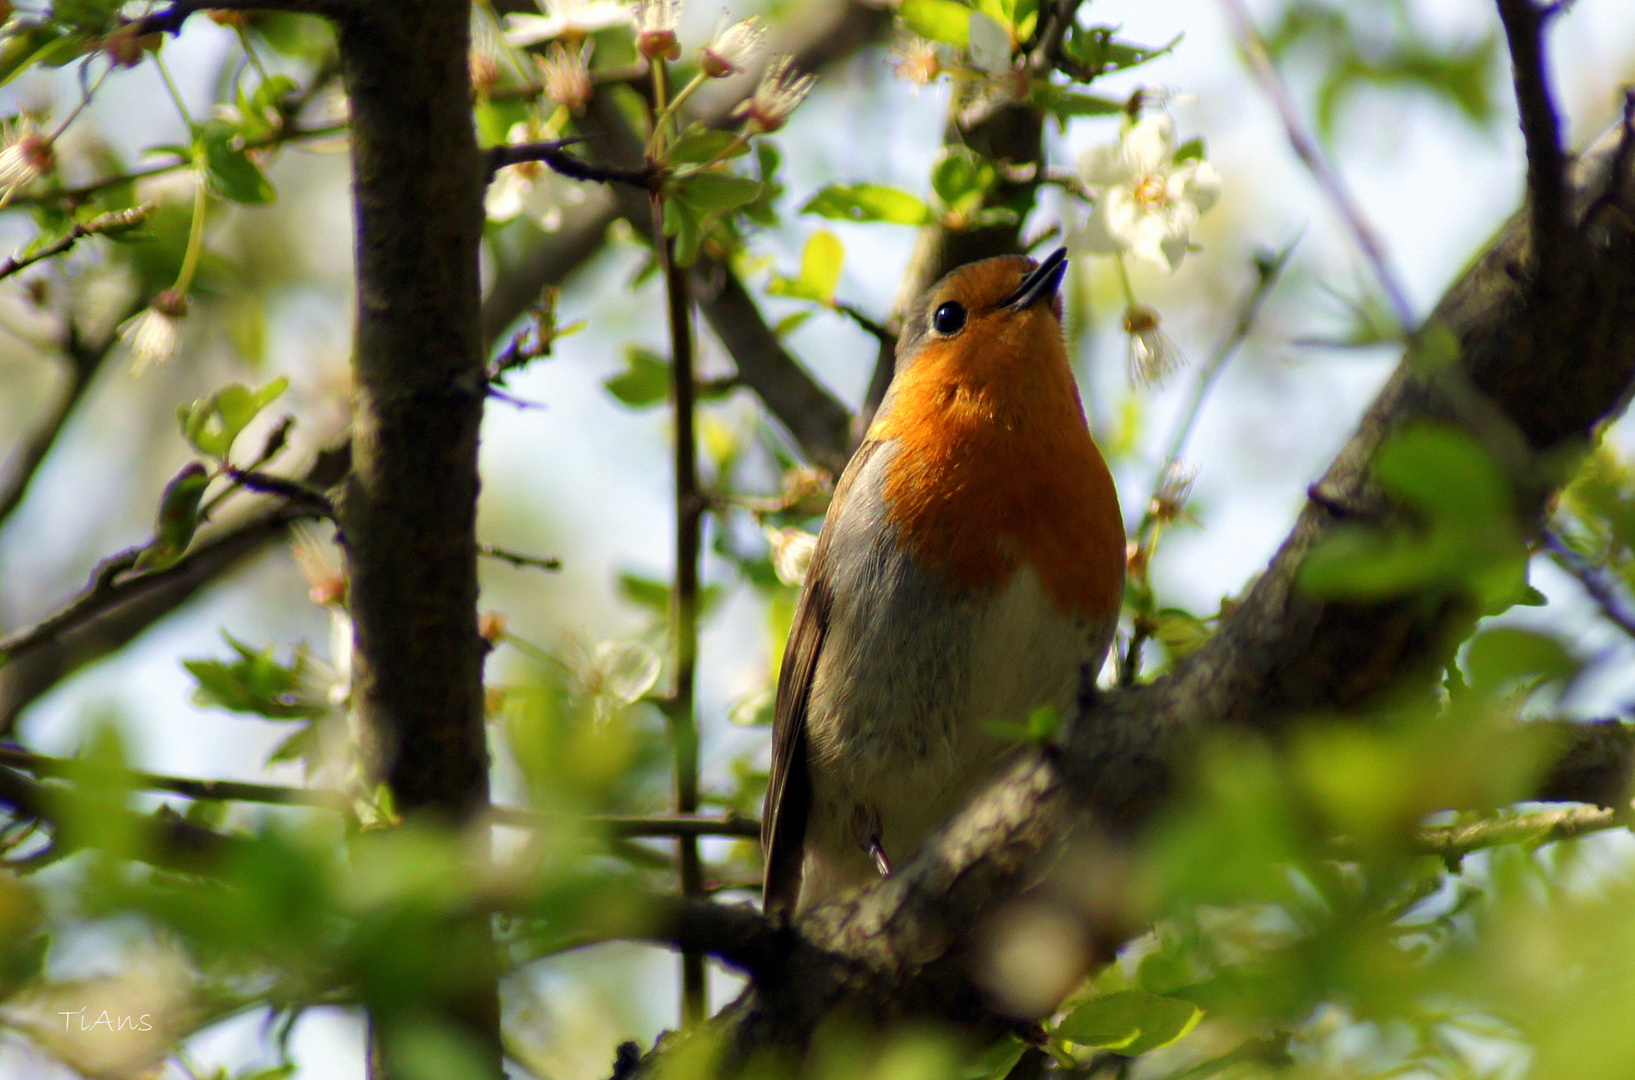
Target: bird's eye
949,318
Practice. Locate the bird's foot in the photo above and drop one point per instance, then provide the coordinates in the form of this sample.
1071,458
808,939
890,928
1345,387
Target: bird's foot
866,827
878,854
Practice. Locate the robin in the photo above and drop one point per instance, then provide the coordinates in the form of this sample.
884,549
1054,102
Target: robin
970,569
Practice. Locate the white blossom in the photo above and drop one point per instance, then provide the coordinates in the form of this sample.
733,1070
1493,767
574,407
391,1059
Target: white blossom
792,551
156,332
565,75
567,19
731,48
1152,354
24,155
781,89
1146,201
656,28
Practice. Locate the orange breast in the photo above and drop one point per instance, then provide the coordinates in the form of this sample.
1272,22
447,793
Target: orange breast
995,467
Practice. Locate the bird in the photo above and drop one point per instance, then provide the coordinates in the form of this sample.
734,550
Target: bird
969,570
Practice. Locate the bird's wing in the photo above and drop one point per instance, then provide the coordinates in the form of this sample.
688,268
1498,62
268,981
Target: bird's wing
789,789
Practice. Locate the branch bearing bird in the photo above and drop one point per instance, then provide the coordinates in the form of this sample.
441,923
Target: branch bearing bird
970,570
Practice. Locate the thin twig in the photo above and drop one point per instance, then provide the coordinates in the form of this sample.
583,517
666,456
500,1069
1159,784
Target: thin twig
117,219
1594,581
518,559
690,504
1267,270
623,826
45,765
1451,842
878,330
293,490
552,153
1306,148
73,196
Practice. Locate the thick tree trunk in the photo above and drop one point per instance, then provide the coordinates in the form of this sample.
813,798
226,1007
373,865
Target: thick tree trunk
409,511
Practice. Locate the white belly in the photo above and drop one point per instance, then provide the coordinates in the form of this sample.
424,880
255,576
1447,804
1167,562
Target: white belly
910,676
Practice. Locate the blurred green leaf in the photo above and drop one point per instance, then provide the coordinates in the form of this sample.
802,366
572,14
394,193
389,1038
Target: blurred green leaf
960,177
655,595
819,271
699,144
178,518
1096,49
1066,105
1180,632
1359,47
253,682
228,169
644,382
938,20
29,45
1465,535
869,202
1502,654
718,192
1130,1022
212,424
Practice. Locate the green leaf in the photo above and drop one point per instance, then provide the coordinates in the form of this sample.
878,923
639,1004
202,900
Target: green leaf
219,149
37,44
791,322
1040,729
212,424
961,177
1464,534
718,192
1065,104
1505,653
1191,150
938,20
655,595
820,264
1129,1022
253,682
1180,632
681,221
178,518
699,144
645,380
869,202
996,1062
1095,48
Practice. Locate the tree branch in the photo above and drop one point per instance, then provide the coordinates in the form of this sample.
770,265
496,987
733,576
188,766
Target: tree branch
170,19
32,667
552,153
1524,25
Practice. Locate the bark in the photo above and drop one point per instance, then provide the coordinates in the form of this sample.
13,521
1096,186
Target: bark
408,511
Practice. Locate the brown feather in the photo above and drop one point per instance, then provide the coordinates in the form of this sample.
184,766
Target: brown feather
789,789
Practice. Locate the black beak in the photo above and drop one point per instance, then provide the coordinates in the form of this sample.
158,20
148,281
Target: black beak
1041,284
